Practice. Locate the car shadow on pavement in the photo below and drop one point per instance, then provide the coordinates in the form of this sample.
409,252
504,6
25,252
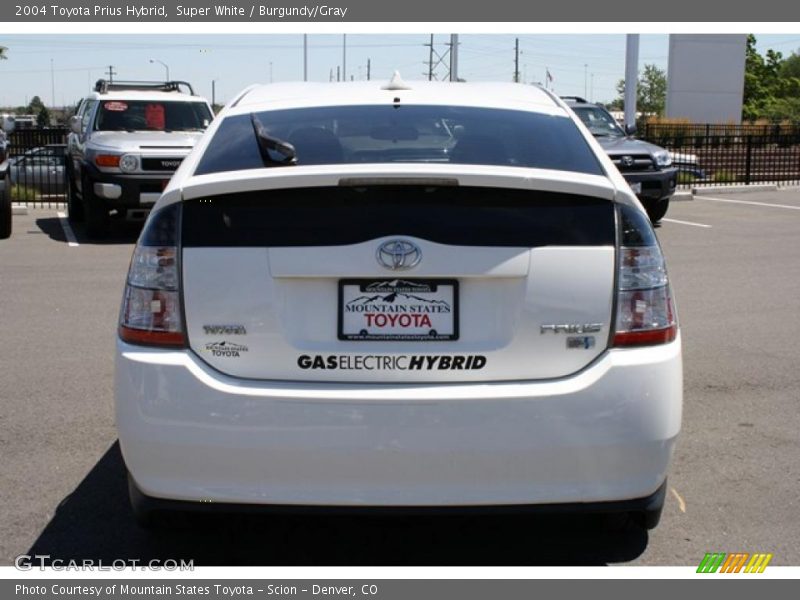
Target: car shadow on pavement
95,522
119,233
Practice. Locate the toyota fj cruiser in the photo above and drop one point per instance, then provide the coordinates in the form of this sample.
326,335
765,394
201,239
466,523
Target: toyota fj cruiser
126,142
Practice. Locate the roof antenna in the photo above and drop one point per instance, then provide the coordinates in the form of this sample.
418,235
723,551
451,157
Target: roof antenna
396,83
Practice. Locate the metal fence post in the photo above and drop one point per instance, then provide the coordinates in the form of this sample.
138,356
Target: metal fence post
748,160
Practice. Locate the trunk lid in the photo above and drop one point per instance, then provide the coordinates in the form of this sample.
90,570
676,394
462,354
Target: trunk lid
507,282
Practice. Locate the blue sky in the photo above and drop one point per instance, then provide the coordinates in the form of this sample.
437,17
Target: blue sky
579,63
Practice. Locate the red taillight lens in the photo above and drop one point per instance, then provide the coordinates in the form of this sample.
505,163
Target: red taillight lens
151,308
106,160
645,310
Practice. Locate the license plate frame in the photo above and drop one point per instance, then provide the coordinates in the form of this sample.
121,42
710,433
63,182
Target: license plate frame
439,298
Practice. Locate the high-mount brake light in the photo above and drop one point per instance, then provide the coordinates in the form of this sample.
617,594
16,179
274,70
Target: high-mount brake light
645,309
151,309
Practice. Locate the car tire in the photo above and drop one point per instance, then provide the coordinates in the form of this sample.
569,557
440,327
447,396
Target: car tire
153,519
144,516
656,210
94,212
5,210
74,204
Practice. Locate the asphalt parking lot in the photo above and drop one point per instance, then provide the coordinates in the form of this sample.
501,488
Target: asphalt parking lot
734,486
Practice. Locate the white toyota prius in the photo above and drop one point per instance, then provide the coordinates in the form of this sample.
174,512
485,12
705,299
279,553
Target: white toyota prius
406,296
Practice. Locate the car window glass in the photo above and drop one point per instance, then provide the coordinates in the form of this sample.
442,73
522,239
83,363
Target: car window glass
87,113
140,115
598,121
406,134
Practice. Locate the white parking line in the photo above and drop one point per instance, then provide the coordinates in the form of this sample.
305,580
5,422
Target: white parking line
747,202
68,233
687,223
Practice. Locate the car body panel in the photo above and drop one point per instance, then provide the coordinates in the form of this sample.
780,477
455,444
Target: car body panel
188,432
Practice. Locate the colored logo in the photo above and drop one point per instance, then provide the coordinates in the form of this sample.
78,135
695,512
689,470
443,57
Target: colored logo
737,562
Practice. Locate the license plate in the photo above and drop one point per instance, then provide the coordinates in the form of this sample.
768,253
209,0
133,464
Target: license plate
637,188
398,309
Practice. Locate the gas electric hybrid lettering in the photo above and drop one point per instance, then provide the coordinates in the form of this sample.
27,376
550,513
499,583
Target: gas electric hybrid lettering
400,362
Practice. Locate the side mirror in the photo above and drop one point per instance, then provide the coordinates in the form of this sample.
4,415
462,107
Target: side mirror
8,123
75,124
630,129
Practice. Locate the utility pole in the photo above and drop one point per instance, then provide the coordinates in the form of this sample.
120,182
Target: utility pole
516,60
52,84
305,57
591,88
111,72
344,57
338,73
369,68
453,57
330,75
213,92
631,77
430,61
436,59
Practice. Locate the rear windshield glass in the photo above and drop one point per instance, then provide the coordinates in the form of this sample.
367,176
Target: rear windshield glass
139,115
332,216
405,134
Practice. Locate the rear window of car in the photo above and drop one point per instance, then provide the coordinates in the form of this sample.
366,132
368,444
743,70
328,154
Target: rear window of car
404,134
142,115
456,215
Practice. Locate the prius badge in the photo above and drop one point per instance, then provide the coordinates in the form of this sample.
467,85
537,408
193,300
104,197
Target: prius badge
398,255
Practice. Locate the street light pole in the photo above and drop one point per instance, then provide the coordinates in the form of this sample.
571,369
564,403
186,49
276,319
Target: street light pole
162,63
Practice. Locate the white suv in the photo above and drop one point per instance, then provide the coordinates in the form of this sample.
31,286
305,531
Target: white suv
409,296
126,141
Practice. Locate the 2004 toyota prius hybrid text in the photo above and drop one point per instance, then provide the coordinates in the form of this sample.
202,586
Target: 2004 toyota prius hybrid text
403,296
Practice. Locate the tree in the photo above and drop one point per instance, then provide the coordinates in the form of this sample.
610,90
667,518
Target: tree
43,117
35,105
790,67
771,85
3,51
651,91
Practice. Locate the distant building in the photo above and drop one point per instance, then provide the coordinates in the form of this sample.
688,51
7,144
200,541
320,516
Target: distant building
705,80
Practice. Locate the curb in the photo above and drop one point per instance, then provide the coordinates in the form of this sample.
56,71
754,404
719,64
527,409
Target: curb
21,208
682,196
734,189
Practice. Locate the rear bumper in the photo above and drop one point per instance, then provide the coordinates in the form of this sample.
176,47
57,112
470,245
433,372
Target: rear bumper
188,433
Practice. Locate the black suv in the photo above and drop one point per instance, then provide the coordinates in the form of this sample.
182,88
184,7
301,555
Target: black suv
646,167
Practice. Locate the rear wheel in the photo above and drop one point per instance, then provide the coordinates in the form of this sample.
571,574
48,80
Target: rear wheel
5,210
95,213
74,205
150,518
656,209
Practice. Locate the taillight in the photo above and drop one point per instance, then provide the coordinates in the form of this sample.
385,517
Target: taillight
107,160
151,308
645,310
